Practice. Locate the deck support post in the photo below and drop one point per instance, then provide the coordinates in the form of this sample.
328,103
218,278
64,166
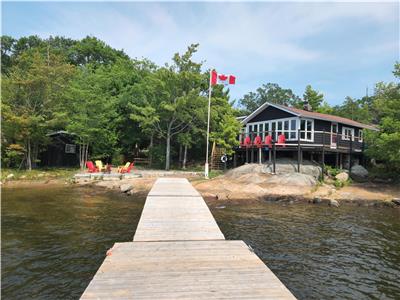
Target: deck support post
234,160
260,155
323,156
247,155
337,160
350,151
274,155
298,151
252,155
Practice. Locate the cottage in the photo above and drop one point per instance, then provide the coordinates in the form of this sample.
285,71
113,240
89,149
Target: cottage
276,130
61,150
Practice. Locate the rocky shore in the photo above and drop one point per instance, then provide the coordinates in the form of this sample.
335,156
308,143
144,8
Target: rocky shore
252,182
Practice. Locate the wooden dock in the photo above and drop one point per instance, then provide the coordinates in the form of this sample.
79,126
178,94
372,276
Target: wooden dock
179,252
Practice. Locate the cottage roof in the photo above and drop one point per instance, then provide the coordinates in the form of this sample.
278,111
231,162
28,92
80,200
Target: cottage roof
309,114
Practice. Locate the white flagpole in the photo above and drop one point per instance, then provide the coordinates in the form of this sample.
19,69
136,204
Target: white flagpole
208,127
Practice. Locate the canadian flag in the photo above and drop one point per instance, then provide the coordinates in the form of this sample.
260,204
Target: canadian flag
222,79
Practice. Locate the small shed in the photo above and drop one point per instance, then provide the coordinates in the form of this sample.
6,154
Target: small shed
62,151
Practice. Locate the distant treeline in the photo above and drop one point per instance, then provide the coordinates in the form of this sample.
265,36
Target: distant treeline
116,105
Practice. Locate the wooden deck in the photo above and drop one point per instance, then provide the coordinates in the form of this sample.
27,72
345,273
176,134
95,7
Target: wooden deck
179,252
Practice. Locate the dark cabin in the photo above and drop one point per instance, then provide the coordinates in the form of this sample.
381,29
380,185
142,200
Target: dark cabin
61,151
298,133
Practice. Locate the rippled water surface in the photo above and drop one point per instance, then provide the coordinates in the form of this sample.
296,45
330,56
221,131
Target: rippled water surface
54,240
320,252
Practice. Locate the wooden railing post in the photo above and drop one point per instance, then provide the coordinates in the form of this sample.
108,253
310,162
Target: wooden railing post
298,151
274,153
350,151
323,155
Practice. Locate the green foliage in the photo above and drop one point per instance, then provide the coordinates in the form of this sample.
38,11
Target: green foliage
116,105
313,97
332,171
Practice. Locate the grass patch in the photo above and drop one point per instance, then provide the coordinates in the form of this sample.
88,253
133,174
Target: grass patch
38,174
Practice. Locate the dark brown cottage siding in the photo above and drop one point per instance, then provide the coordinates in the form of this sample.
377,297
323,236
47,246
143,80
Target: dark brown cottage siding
273,113
270,113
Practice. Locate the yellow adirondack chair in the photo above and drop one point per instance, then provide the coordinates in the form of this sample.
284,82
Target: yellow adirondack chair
100,166
120,168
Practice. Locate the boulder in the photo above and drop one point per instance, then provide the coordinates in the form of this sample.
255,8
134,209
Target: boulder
126,187
359,173
316,200
10,176
396,201
343,176
292,179
333,203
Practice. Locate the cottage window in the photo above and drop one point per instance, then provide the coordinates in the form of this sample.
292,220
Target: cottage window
347,133
286,129
293,131
307,130
261,129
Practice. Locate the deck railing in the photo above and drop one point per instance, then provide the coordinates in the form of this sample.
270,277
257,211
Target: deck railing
307,139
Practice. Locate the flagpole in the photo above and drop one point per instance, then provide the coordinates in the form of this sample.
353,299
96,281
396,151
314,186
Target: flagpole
208,126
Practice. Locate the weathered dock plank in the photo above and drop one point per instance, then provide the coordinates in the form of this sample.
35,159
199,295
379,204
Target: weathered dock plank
176,219
179,252
185,270
176,187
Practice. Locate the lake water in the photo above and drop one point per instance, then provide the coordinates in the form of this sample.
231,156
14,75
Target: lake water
54,240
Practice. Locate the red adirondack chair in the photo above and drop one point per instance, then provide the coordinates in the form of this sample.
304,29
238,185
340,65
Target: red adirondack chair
247,142
91,167
268,141
258,141
282,140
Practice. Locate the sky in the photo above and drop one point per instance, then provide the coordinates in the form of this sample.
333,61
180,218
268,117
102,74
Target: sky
340,48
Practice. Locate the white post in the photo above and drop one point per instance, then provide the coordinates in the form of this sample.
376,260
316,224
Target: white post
208,128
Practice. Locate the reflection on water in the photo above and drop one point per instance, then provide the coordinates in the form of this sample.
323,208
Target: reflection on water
319,252
54,240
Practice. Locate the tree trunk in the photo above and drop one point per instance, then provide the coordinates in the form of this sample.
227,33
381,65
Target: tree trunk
180,153
81,156
168,150
86,153
28,155
184,158
34,154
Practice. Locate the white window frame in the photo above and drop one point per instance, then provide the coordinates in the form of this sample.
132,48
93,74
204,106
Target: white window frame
344,136
269,122
307,131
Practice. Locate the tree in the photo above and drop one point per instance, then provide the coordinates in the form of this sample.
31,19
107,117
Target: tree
270,92
313,97
31,100
168,101
384,145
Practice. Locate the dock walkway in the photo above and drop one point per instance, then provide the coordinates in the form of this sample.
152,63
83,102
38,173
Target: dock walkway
179,252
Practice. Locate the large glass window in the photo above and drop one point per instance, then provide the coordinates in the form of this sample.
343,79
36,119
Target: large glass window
286,129
293,131
347,133
287,126
306,130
